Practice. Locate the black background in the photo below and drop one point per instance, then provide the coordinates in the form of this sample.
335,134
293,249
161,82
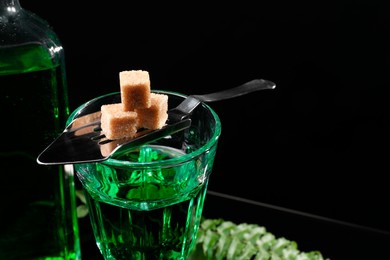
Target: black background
318,143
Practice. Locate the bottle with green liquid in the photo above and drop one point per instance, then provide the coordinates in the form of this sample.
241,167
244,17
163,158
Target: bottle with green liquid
38,217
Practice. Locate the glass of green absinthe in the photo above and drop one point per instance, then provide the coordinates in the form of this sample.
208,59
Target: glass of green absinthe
147,203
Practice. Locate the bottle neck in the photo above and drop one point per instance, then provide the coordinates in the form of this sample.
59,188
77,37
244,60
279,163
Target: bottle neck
9,6
9,3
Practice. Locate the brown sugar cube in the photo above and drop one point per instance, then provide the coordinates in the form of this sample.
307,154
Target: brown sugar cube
116,123
156,115
135,89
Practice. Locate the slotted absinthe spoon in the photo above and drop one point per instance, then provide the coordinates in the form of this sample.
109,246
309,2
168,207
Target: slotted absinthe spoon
83,142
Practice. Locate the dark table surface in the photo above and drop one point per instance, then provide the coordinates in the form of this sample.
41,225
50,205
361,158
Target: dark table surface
335,239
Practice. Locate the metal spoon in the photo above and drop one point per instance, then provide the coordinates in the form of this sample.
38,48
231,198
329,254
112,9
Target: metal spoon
82,142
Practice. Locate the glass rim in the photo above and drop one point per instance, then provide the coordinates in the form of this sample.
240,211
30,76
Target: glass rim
168,162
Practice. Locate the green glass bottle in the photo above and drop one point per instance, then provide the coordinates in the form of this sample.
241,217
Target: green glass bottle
38,206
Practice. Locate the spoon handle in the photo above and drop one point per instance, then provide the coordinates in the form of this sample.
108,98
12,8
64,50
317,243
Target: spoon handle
248,87
185,108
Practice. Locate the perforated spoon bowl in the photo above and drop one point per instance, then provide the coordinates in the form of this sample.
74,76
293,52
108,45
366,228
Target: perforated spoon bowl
82,141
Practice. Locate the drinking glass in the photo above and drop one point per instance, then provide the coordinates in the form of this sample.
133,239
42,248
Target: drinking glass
147,203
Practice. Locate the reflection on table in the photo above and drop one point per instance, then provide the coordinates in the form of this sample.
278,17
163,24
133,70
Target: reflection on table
334,239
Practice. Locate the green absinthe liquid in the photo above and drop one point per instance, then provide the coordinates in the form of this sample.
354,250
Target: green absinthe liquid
147,214
34,106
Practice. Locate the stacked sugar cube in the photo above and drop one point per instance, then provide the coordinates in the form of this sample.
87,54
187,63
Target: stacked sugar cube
139,107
